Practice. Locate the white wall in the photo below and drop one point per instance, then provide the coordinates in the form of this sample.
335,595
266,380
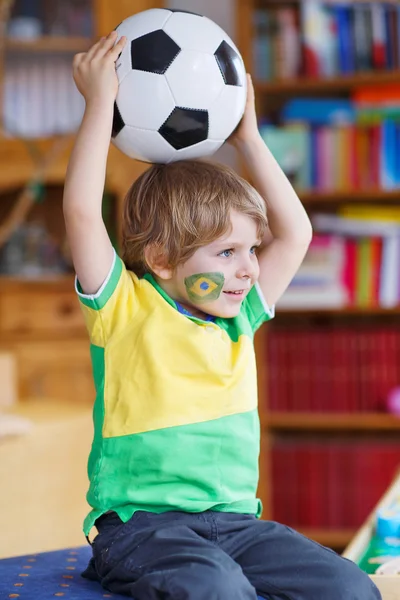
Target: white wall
220,11
223,13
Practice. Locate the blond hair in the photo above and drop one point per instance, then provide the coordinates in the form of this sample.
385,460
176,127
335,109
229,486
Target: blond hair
182,206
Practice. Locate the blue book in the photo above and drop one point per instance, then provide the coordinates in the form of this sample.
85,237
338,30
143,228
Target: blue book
388,155
262,59
389,37
290,146
313,159
344,20
397,155
317,111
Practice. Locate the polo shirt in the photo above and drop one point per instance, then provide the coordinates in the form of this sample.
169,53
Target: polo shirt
175,416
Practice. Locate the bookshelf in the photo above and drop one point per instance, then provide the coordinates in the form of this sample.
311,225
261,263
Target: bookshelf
331,422
41,324
271,95
49,44
344,83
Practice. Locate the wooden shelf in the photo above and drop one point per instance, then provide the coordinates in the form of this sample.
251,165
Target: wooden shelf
63,281
373,195
340,83
49,44
331,422
333,538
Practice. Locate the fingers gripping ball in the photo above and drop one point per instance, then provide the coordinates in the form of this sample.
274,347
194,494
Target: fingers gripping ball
182,86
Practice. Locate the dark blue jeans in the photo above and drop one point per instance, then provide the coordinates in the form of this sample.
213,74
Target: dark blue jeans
218,556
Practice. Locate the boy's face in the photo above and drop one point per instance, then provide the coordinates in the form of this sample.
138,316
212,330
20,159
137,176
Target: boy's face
218,277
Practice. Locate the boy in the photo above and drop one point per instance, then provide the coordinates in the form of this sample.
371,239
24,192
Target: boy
173,467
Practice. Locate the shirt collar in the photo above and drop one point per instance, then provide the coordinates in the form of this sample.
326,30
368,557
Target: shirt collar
149,277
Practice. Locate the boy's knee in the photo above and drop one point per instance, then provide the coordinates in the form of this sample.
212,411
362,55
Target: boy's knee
229,586
352,583
215,583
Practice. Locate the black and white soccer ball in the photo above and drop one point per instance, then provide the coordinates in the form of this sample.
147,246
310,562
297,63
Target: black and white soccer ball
182,86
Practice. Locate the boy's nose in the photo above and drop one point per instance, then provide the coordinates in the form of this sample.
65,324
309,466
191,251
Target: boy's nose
245,271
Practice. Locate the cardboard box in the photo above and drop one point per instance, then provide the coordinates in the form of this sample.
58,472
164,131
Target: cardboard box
389,585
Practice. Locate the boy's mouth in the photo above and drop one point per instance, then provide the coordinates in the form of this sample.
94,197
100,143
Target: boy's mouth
235,293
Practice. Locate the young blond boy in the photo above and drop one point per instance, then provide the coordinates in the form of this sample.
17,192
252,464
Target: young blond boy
174,463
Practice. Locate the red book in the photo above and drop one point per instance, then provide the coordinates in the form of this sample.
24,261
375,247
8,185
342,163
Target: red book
352,368
375,155
376,260
379,58
350,269
339,372
278,467
354,162
335,492
303,504
273,371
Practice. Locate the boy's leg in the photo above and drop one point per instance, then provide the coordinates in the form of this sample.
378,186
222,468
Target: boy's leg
170,556
283,564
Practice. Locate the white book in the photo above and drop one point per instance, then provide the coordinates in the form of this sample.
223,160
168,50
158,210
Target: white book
63,104
9,97
389,292
354,227
314,297
35,99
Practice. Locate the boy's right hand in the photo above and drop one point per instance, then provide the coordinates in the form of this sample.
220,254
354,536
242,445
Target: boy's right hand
94,71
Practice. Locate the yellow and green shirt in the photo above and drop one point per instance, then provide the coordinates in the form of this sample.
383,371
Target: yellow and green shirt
175,417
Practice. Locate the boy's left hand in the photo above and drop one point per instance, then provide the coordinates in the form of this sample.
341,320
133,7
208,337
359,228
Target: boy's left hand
247,130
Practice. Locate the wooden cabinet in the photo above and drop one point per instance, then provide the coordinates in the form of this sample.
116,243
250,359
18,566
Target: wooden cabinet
40,321
42,325
35,310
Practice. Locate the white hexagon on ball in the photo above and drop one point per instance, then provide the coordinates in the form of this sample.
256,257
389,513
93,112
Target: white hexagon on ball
144,144
194,32
194,79
226,112
149,108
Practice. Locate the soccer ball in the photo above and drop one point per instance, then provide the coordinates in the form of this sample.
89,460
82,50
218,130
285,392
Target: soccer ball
182,86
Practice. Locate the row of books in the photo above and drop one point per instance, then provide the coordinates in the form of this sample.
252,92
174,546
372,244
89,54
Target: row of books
353,260
339,144
51,17
40,98
338,158
330,484
343,271
330,369
325,38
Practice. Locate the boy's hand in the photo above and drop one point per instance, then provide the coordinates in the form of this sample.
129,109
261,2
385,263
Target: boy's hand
247,130
94,71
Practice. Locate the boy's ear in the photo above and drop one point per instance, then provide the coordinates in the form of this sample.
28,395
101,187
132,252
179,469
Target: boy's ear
156,260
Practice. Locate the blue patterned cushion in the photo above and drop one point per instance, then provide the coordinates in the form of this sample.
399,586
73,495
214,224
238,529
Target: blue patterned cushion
50,575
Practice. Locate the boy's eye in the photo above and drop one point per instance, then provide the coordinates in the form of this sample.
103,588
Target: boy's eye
253,250
226,253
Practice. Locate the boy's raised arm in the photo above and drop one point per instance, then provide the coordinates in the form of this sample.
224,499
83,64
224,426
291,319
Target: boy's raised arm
91,249
288,221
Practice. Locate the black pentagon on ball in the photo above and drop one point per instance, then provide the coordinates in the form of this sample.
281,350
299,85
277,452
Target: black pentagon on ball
118,122
153,52
185,127
230,65
189,12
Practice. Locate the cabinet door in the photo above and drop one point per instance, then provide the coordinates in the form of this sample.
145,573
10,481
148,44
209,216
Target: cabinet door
109,14
57,370
40,312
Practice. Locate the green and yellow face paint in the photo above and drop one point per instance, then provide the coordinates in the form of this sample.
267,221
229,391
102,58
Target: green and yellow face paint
204,287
